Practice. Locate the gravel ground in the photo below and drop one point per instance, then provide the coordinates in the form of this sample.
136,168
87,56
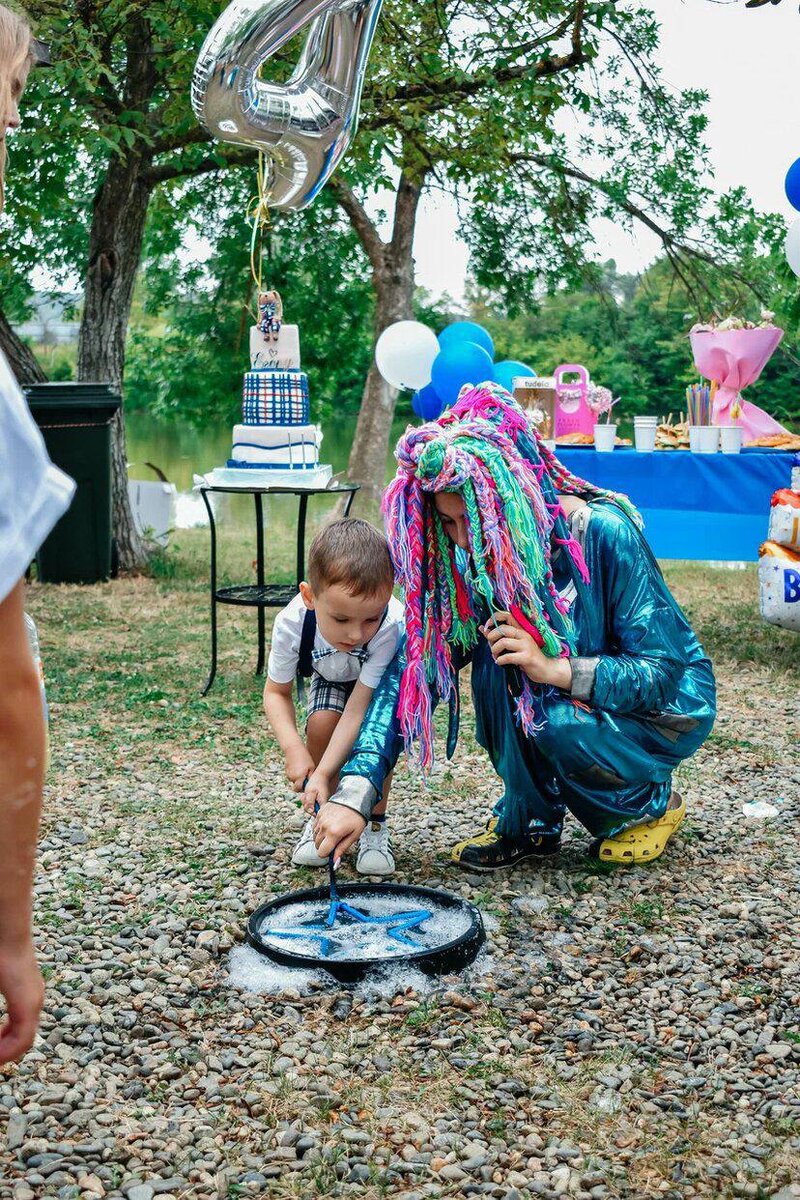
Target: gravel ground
633,1033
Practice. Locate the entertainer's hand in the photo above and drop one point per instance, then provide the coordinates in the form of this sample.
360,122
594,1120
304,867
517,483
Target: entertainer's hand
512,646
299,765
336,829
22,985
318,789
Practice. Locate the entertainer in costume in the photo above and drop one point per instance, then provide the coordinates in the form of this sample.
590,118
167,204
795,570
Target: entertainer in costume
589,685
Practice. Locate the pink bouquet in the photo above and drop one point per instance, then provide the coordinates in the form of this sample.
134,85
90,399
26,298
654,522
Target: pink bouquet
734,358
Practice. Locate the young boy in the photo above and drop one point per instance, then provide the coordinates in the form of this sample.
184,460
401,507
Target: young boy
346,621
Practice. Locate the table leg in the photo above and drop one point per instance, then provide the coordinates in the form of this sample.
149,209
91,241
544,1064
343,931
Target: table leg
213,527
349,504
301,539
260,580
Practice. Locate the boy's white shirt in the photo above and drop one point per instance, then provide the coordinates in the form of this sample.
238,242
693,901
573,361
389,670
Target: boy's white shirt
335,666
33,493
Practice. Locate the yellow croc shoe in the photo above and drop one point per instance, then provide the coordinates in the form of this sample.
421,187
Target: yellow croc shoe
643,843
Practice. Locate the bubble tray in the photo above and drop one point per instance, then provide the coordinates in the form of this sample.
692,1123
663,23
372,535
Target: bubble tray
446,938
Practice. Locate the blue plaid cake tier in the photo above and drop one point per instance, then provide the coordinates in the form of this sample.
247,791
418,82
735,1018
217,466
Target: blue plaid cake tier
273,397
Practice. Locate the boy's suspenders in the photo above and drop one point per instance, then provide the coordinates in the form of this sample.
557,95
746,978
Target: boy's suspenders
305,660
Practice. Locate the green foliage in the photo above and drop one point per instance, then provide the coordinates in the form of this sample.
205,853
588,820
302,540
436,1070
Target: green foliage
540,116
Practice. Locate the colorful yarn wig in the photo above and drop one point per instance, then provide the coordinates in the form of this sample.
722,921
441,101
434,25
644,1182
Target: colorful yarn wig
485,449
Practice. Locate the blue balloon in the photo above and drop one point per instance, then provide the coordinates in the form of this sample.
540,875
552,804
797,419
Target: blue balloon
460,363
792,186
466,331
507,371
426,403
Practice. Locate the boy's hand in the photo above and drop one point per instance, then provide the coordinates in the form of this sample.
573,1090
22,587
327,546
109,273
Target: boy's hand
336,829
299,765
318,790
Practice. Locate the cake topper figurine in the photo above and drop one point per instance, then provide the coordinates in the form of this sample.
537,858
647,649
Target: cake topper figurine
270,315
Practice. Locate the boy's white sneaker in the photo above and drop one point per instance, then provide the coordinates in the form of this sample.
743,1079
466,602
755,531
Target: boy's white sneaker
374,852
305,852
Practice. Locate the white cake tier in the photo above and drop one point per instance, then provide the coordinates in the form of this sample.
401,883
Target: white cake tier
282,447
262,477
282,352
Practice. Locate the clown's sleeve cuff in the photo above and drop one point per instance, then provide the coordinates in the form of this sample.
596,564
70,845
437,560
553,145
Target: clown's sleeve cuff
583,675
357,793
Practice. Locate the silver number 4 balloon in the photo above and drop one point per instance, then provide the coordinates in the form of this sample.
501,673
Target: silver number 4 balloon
305,126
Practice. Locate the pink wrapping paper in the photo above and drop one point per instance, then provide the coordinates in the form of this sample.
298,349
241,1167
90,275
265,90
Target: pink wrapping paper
735,358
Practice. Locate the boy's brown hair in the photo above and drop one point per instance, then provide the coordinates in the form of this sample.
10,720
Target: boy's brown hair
353,553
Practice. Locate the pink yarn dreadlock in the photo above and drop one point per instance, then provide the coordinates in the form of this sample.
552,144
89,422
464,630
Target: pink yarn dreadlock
486,450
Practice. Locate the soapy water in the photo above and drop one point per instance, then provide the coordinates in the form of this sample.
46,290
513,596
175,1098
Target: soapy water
395,927
249,971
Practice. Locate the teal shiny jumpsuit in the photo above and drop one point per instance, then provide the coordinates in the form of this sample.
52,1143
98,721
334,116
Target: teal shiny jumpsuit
642,700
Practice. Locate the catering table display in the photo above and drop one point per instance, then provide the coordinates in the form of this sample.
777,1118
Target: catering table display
695,506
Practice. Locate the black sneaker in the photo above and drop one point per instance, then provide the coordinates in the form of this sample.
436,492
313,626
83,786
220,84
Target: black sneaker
491,851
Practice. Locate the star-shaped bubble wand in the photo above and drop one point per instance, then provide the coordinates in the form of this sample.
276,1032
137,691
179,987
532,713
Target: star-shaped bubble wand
397,925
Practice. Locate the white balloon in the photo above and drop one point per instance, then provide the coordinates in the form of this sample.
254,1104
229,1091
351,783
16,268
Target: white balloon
792,246
404,354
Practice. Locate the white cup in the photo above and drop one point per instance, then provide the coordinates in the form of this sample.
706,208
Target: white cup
730,437
604,437
708,439
644,434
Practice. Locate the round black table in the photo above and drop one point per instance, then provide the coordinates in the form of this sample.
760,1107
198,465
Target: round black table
261,594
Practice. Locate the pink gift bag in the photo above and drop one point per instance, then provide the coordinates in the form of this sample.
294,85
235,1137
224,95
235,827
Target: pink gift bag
573,414
735,358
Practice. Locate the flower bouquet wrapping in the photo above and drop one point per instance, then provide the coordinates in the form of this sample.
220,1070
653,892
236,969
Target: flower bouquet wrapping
733,354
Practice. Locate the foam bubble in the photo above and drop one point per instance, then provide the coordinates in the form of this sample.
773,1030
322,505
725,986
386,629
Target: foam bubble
249,971
349,939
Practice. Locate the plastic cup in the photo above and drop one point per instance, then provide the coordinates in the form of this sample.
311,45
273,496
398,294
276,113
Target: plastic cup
644,434
709,439
604,438
730,438
694,438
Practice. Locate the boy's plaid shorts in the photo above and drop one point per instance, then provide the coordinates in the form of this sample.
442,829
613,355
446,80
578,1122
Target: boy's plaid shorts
324,696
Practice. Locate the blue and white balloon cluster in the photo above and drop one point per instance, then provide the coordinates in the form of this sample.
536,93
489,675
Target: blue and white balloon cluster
409,355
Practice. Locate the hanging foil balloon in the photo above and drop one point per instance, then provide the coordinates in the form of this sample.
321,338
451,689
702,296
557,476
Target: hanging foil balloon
306,125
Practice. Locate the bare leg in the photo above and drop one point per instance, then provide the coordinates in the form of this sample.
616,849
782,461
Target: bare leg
319,732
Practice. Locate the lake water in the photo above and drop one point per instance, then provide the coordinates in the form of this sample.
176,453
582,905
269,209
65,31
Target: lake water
181,451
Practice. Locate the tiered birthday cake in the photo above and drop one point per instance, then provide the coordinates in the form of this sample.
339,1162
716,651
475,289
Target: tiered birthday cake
275,444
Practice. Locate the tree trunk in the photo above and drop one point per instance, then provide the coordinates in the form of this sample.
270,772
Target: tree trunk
367,463
115,246
393,281
24,364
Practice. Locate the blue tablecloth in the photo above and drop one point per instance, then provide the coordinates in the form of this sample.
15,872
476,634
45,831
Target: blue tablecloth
701,506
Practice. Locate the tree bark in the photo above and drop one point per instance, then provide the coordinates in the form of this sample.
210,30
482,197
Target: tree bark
115,246
25,366
393,283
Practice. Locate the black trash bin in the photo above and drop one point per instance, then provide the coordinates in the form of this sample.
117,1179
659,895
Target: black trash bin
75,420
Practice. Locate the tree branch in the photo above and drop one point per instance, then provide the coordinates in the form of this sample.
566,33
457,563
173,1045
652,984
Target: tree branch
445,91
359,218
679,253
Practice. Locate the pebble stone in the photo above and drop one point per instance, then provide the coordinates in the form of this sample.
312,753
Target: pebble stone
627,1034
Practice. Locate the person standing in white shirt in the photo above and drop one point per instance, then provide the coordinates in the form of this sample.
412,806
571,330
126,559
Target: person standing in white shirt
347,625
33,495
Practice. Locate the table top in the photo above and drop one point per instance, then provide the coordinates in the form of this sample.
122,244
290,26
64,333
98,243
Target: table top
335,489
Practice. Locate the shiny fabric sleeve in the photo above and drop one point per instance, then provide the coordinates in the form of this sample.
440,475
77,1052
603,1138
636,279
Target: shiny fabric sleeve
379,742
650,637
